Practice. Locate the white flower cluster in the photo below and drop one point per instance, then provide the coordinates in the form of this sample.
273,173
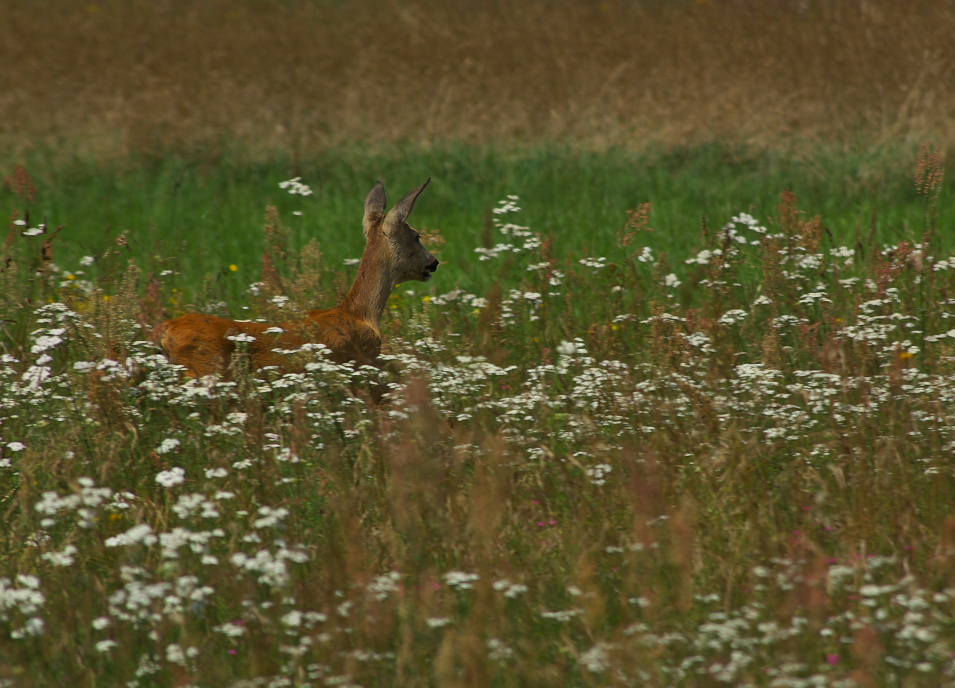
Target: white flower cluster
531,241
295,187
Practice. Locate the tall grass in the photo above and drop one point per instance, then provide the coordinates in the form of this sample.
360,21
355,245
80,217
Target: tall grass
644,471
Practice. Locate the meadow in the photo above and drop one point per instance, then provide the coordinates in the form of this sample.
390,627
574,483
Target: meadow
675,409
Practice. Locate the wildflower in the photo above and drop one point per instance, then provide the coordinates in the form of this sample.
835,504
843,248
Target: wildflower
704,257
595,659
233,267
812,297
566,348
269,517
175,654
47,341
562,615
167,445
293,619
62,558
595,263
598,474
498,650
141,533
172,477
16,446
732,317
295,187
510,590
461,580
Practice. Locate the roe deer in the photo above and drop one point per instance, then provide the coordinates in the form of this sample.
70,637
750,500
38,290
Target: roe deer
393,254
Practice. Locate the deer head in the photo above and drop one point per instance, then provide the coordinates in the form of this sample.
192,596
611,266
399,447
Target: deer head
407,258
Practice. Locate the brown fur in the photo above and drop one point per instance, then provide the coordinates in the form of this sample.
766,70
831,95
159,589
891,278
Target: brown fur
392,255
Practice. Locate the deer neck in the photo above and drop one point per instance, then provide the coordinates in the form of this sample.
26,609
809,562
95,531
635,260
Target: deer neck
368,296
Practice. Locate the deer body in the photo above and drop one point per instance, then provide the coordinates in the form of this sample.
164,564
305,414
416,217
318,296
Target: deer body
393,254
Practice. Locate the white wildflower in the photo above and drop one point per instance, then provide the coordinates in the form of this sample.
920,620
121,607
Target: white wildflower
105,645
174,476
461,580
566,348
167,445
295,187
141,533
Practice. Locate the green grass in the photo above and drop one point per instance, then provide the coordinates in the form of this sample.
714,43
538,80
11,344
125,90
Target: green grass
209,215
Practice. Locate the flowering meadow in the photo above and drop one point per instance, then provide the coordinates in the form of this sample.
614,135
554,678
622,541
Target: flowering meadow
729,467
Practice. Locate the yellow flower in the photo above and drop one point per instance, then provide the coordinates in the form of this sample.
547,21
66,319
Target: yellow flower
106,297
614,327
233,267
426,299
906,355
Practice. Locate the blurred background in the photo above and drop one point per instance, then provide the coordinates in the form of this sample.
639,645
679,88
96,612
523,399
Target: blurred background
203,77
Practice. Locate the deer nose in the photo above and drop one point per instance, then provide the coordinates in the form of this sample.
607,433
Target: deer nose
433,265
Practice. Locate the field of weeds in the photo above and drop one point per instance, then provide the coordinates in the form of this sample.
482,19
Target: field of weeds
730,467
677,409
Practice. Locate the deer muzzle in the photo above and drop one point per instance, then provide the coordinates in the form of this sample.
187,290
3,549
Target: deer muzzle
430,268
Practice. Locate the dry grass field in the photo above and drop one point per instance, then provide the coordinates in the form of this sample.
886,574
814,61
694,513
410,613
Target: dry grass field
110,78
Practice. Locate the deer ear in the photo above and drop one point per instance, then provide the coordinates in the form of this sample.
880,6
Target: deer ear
375,205
402,210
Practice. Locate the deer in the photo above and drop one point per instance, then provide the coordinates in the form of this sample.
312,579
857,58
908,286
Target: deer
203,344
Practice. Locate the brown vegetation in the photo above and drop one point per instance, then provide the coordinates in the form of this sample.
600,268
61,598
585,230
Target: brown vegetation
113,78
